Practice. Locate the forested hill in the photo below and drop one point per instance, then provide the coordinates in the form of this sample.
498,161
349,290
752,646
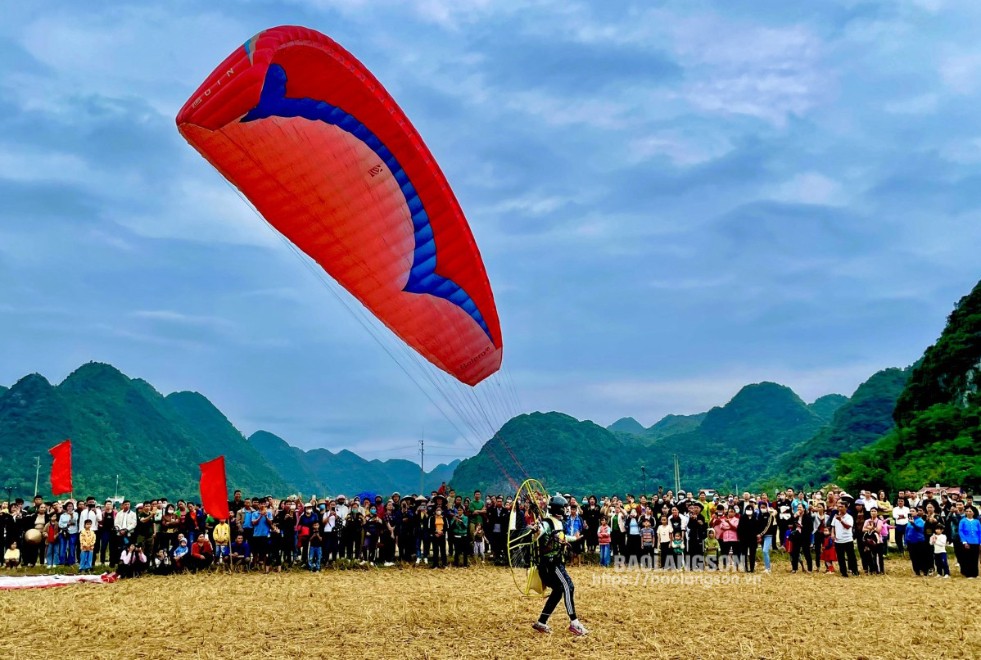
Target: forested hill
120,425
938,415
865,418
319,471
731,446
123,426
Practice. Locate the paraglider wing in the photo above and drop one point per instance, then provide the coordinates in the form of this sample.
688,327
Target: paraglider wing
329,159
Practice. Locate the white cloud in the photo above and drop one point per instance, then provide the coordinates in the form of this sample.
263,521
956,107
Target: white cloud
26,165
739,68
917,105
961,73
681,149
810,188
195,211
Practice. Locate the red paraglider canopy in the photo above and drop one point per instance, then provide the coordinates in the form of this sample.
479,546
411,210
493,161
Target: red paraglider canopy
329,159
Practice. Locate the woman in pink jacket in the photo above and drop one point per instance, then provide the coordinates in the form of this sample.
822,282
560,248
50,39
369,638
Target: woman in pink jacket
726,530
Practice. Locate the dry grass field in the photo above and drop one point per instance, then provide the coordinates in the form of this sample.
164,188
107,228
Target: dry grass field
477,613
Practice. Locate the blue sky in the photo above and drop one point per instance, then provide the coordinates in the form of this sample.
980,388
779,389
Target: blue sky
673,199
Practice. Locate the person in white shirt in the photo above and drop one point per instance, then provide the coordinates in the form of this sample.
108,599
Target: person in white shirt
939,543
842,527
90,512
900,517
125,525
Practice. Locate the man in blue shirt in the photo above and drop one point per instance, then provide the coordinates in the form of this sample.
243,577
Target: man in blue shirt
261,523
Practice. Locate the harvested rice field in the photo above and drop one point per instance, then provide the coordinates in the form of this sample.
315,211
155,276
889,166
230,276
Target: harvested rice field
477,613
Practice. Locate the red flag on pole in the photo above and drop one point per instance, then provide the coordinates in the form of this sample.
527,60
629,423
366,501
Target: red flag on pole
214,490
61,468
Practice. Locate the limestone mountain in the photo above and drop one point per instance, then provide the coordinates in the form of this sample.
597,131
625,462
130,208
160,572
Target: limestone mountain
866,417
627,425
321,472
938,415
826,406
729,447
123,426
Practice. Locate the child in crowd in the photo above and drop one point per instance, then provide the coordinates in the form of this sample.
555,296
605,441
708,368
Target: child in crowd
11,558
664,534
647,539
86,541
51,555
222,537
161,563
828,554
939,543
478,542
316,544
712,548
678,550
179,553
604,536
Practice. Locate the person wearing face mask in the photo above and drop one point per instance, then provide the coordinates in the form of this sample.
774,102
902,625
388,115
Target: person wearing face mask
373,528
749,535
304,529
633,536
351,534
286,520
439,525
767,532
330,528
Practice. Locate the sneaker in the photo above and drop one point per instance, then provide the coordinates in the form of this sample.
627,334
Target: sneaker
578,629
542,627
388,563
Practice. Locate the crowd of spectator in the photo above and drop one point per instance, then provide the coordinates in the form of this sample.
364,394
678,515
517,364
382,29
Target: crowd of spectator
821,531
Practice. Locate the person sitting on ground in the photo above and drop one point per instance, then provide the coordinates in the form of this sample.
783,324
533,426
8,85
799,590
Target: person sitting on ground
179,552
202,554
11,558
241,553
132,562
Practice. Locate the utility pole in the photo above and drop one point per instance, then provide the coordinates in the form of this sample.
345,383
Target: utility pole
115,495
643,473
37,473
677,476
422,464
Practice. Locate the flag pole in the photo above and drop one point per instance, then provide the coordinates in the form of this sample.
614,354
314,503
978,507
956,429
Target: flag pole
37,474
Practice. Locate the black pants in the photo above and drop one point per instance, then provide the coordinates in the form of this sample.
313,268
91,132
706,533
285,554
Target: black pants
407,548
633,546
800,546
555,578
749,552
665,550
900,535
919,556
846,558
818,547
617,543
728,554
439,551
30,554
116,548
460,549
969,566
330,547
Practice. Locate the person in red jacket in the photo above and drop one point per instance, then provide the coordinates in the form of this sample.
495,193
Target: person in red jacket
202,554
